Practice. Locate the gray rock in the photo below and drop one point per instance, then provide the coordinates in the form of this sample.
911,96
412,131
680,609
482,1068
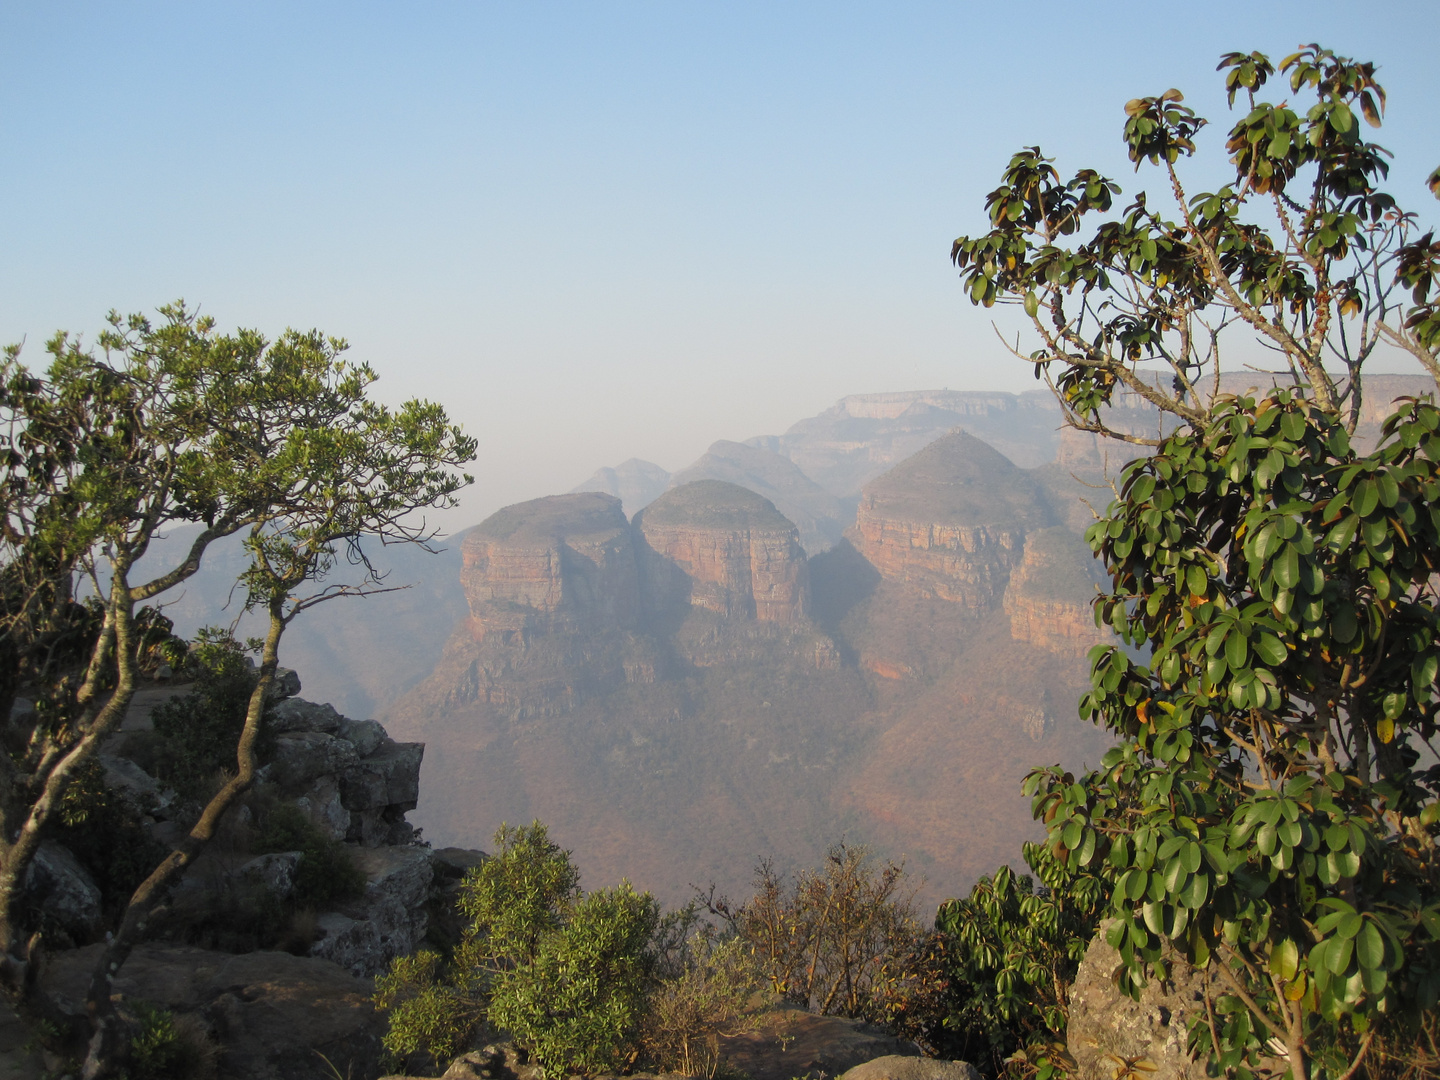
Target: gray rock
296,714
453,862
323,806
285,685
274,1014
124,775
1107,1027
389,921
275,871
301,757
899,1067
364,735
22,712
63,891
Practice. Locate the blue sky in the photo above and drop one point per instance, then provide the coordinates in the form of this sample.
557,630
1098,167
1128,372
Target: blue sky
596,230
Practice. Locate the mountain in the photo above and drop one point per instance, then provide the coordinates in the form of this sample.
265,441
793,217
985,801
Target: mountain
819,516
682,694
635,483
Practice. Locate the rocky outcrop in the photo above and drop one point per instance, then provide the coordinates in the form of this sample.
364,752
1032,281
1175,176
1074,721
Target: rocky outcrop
390,920
349,776
635,483
1049,596
951,521
896,1067
718,546
276,1016
1106,1026
563,563
62,893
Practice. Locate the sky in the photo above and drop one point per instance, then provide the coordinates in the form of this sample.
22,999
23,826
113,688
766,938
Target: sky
597,231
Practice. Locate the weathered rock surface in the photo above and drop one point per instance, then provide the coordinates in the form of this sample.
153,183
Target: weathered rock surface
1049,595
63,893
388,921
1108,1028
790,1042
896,1067
715,545
274,1014
950,522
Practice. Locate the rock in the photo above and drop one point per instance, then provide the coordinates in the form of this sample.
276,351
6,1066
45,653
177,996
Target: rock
302,757
715,545
296,714
364,735
164,673
275,871
63,892
897,1067
286,684
274,1014
122,774
389,921
1106,1027
324,806
451,863
791,1042
951,521
1050,593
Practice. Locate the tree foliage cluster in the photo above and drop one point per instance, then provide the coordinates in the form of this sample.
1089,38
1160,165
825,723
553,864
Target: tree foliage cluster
165,424
1270,811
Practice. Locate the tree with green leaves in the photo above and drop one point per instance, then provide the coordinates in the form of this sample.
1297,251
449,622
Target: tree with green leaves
174,424
1266,814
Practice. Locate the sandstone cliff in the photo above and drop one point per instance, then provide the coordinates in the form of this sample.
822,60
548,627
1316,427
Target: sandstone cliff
717,546
1050,593
950,521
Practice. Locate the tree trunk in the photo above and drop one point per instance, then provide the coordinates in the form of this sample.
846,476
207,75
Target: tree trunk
108,1045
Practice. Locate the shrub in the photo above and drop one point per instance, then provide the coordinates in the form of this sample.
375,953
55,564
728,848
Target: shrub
842,940
1011,950
196,734
326,873
167,1047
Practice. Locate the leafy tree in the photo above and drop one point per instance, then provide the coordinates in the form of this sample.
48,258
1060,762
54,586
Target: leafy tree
1011,949
1264,813
174,423
565,973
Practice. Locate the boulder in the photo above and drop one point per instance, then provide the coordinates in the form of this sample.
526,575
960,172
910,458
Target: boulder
899,1067
1107,1027
364,735
285,685
324,806
63,892
390,920
302,757
789,1042
296,714
276,1016
275,871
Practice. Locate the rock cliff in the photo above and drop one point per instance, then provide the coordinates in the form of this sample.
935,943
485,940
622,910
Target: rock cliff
735,554
1050,593
950,521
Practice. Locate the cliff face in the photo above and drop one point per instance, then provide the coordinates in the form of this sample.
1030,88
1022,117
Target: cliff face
950,522
1050,593
717,546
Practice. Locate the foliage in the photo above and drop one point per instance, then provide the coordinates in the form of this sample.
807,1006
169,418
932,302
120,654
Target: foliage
841,940
1011,949
578,1003
1303,249
195,734
166,1047
705,983
564,972
326,874
1263,813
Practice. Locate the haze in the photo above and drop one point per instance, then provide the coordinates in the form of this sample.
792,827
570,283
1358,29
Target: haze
595,231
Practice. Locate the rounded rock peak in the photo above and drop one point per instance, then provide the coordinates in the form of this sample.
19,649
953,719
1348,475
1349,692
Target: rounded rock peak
714,504
958,480
584,513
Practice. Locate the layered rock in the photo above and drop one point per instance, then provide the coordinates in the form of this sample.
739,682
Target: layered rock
1049,596
950,522
718,546
561,563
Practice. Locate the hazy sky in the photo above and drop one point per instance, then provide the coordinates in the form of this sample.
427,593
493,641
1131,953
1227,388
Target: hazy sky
596,230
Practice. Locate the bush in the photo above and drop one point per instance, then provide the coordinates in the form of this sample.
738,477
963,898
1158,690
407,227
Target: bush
326,874
1011,950
167,1047
842,940
196,734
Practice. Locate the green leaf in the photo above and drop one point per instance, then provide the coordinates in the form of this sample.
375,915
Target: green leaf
1270,649
1286,568
1285,960
1370,946
1237,651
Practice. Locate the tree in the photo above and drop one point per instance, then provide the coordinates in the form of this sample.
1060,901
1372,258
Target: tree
179,424
1263,814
